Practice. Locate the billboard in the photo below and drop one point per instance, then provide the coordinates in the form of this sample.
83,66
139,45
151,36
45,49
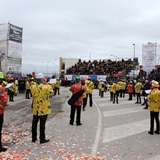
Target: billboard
148,57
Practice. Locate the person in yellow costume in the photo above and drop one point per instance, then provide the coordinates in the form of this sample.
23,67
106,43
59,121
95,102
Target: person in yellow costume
115,92
41,109
12,90
111,90
99,87
57,87
138,88
89,90
154,107
84,94
27,88
102,88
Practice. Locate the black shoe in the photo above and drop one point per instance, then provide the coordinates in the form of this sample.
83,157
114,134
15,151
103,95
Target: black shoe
71,123
142,104
44,141
156,132
3,149
145,108
150,132
34,140
79,124
136,102
113,102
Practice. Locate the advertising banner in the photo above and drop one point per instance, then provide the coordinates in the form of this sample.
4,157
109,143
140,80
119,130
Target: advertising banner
15,33
3,31
14,65
148,57
14,49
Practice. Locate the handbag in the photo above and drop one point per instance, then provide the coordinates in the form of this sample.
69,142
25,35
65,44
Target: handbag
75,97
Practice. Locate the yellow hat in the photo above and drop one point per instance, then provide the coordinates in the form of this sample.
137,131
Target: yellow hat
5,83
1,75
155,84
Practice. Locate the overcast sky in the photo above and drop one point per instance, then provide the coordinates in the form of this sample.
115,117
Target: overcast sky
81,29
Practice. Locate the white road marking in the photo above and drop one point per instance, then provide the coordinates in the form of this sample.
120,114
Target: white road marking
21,109
122,111
155,158
122,131
98,133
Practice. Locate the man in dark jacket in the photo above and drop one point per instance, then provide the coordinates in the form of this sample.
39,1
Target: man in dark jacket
146,86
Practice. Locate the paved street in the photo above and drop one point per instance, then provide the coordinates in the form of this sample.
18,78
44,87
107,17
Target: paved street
109,131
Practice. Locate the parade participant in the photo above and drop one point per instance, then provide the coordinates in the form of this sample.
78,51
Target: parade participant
145,87
84,94
77,105
99,87
3,103
115,92
57,87
89,90
27,89
102,89
111,90
41,109
154,103
130,89
120,83
138,88
12,90
123,88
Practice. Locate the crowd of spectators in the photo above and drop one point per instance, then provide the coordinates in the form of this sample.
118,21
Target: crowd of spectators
99,67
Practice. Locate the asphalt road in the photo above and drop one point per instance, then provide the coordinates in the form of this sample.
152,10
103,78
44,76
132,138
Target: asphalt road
109,131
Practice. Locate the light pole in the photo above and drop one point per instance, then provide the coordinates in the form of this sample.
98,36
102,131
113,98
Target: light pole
133,60
134,51
115,56
33,67
46,66
57,68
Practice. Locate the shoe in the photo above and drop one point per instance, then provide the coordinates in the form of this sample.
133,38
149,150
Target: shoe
145,108
83,109
71,123
44,141
79,124
142,104
34,140
136,102
3,149
156,132
150,132
113,102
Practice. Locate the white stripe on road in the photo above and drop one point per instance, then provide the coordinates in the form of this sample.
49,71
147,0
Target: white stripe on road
122,131
111,103
121,111
21,109
155,158
98,133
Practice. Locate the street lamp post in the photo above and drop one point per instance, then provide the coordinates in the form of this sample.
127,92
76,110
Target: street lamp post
57,68
46,67
115,56
134,51
33,67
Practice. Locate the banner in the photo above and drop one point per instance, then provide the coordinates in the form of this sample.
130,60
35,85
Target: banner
14,65
15,33
14,49
148,57
3,31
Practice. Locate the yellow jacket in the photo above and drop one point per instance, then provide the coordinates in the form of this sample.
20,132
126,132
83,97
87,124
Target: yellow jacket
89,86
41,101
138,87
27,85
154,100
57,85
13,87
111,89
